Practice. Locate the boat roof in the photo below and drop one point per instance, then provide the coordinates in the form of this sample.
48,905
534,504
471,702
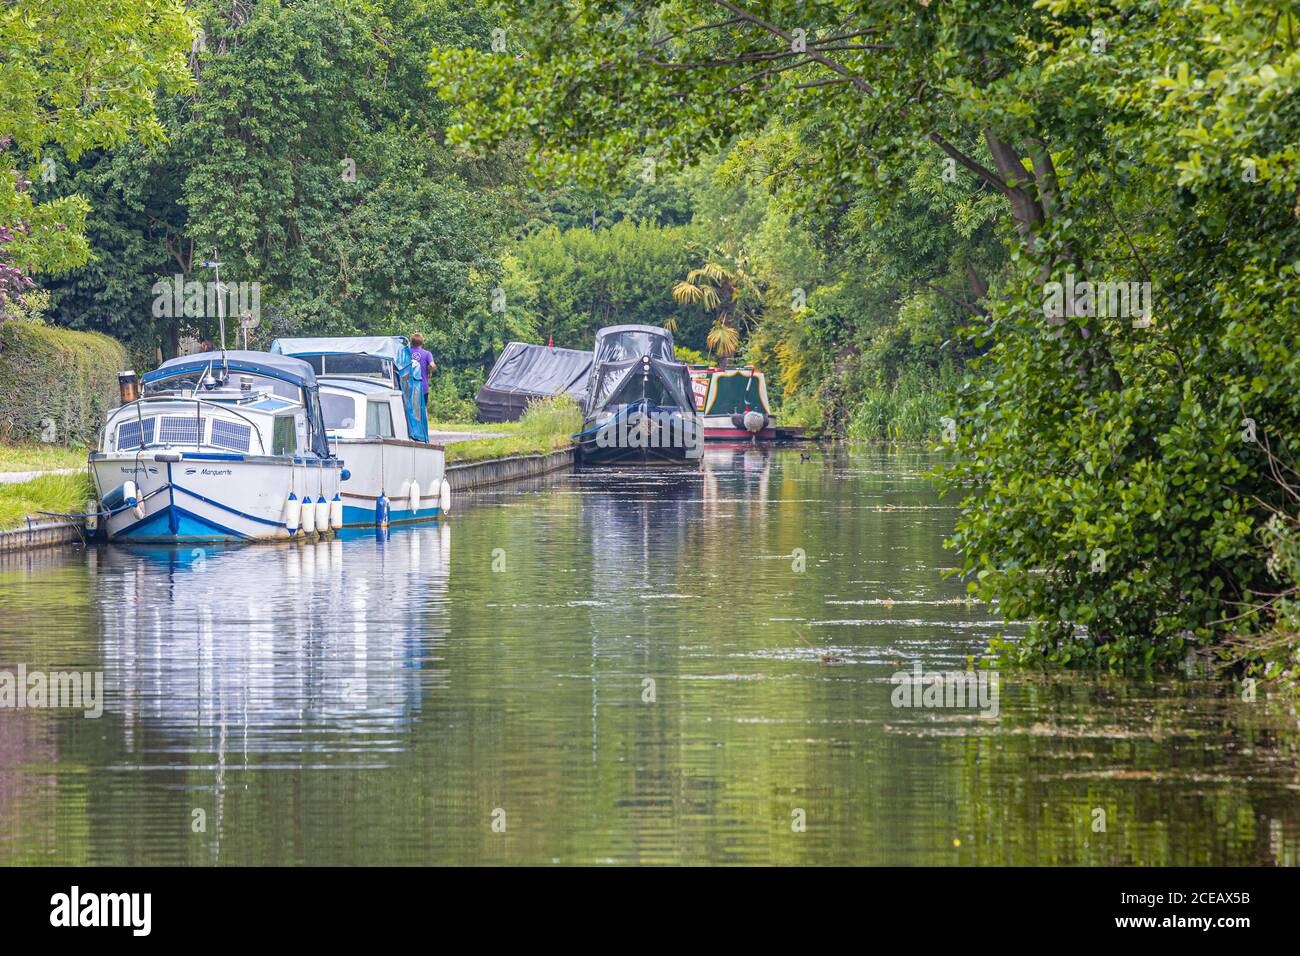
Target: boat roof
356,384
284,367
388,347
652,329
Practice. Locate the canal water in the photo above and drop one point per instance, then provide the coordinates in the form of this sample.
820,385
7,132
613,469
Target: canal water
605,668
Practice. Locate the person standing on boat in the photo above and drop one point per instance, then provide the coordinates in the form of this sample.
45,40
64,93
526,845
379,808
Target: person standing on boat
425,358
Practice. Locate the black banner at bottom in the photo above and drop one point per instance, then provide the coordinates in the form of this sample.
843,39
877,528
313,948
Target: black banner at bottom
336,905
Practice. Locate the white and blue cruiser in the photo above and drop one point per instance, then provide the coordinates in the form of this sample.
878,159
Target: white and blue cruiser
221,446
372,400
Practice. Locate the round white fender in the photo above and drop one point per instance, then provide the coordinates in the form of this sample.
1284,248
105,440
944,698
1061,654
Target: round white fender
444,496
308,515
322,514
292,513
336,512
415,497
130,494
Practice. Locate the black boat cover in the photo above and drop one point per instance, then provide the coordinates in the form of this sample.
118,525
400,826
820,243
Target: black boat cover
525,373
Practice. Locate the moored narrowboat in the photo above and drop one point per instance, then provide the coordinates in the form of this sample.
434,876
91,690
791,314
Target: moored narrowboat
733,403
638,408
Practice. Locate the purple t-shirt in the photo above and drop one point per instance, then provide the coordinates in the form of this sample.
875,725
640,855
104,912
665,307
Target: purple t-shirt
425,358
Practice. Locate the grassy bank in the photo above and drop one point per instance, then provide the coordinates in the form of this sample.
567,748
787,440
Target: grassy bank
544,427
40,457
62,494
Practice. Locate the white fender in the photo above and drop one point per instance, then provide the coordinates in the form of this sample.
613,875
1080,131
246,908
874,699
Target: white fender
308,516
292,513
322,514
415,496
444,496
336,512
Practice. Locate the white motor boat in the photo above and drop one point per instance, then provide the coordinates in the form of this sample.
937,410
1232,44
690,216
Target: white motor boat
221,446
372,399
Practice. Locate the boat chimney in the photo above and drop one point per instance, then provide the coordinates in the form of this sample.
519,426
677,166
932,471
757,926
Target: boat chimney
128,386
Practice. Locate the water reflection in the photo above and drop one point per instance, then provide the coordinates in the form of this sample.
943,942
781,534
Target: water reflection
308,648
633,667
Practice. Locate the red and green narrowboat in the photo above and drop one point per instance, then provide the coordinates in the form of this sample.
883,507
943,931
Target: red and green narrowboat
733,403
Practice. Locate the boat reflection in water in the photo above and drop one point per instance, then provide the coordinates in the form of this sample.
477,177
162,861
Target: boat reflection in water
313,652
735,471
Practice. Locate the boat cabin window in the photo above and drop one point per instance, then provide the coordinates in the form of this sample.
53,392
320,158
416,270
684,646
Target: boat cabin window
340,411
187,382
365,366
379,420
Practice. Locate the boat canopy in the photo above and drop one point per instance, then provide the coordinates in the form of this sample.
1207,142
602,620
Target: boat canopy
284,367
619,343
388,348
667,386
524,373
394,348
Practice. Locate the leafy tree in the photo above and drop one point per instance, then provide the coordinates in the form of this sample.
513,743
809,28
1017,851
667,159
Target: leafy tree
81,78
730,294
1108,495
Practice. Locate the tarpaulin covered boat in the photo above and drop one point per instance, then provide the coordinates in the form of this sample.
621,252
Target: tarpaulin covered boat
638,407
524,373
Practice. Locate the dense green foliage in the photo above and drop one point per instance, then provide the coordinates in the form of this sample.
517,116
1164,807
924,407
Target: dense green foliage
872,200
1115,465
71,81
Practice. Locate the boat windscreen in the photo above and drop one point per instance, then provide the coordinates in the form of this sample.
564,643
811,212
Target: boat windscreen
633,343
366,366
188,382
677,378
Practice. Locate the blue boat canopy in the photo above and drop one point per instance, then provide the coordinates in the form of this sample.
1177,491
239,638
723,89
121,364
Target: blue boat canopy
284,367
389,348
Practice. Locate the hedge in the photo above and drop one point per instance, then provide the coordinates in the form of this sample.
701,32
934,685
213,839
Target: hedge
56,383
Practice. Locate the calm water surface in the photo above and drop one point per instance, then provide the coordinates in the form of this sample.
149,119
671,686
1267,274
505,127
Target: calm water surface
383,702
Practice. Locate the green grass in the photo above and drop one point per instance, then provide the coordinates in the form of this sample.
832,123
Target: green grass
64,494
40,457
545,427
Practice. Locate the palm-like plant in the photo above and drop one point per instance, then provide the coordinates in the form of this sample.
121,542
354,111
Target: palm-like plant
724,291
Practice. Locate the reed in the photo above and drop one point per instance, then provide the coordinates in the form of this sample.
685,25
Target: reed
910,410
